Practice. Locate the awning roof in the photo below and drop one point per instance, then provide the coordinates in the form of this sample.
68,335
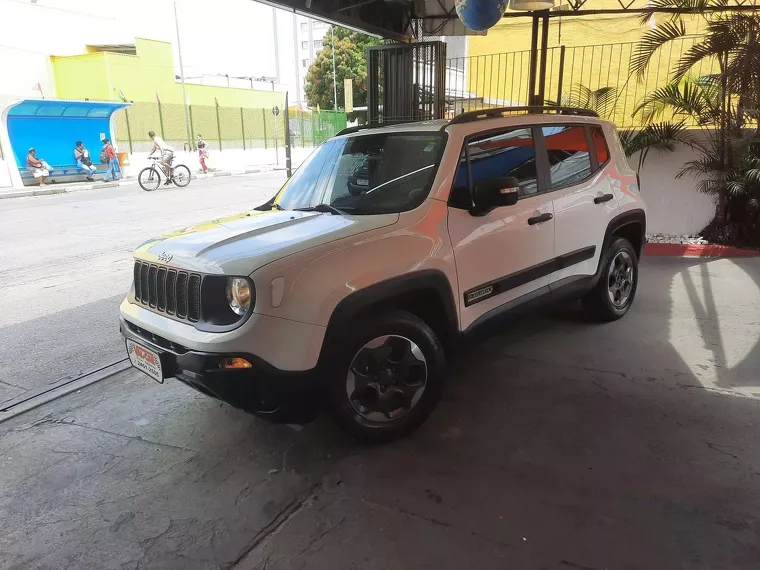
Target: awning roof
58,108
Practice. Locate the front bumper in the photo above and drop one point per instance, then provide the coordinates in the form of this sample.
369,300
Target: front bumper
283,343
273,394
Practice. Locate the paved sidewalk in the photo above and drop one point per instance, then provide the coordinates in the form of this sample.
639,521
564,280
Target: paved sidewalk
50,189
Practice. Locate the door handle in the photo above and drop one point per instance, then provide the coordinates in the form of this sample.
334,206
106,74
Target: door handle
538,219
604,198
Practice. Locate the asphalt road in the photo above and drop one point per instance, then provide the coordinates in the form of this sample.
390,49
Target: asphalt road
559,444
65,265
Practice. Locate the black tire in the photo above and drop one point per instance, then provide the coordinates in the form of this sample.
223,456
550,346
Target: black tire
148,179
599,303
181,175
395,325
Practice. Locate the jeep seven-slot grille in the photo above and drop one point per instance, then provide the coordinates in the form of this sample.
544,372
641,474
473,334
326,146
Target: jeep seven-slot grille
168,291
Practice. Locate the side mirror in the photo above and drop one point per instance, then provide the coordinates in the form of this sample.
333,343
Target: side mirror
495,193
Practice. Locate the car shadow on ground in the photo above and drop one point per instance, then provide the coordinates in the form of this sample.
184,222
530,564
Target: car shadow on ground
567,444
559,444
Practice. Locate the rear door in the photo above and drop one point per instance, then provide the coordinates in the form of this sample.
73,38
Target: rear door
583,198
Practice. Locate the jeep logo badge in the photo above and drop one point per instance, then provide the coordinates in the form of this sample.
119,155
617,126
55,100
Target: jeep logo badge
165,257
478,294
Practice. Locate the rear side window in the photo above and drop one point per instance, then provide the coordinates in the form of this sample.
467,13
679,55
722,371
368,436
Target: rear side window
569,157
600,145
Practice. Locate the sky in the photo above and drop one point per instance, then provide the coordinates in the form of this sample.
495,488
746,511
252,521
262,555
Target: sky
234,37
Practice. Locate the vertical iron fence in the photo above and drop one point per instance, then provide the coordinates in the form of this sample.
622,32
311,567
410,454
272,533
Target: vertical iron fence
223,128
406,82
501,79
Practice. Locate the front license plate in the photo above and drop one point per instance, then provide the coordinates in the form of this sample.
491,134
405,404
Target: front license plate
146,360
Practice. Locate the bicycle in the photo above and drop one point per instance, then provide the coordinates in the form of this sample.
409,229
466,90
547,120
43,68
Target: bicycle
150,177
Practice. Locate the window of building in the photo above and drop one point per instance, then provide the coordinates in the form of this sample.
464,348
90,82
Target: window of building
304,45
569,158
317,44
304,63
304,26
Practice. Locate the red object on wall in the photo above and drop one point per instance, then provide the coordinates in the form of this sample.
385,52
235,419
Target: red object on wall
693,250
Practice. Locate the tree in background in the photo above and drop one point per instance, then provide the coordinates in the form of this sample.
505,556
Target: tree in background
350,63
725,105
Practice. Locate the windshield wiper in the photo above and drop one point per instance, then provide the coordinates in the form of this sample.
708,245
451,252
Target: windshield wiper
324,208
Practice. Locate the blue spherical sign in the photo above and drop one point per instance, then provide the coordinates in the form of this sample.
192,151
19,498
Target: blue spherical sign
479,15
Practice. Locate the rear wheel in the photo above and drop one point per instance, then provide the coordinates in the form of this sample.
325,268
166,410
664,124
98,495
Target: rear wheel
181,175
619,276
387,378
148,179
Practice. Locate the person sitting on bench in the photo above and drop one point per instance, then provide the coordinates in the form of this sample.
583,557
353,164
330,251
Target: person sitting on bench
83,160
38,167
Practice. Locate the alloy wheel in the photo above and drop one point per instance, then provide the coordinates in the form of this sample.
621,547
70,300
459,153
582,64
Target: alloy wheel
386,378
620,279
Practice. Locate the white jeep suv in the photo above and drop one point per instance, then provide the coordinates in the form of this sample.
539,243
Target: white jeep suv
385,249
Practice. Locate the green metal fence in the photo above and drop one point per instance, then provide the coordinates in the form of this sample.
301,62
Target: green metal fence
223,128
311,128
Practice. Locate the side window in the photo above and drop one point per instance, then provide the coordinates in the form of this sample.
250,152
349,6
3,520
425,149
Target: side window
600,145
569,159
507,153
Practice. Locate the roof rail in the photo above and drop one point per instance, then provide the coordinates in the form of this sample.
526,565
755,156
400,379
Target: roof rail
349,130
497,112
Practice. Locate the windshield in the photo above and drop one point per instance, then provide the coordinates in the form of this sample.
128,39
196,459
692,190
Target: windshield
366,174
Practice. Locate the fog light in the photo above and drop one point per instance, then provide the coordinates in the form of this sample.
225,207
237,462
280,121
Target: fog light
234,363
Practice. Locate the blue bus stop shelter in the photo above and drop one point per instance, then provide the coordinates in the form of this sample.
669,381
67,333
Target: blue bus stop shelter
53,127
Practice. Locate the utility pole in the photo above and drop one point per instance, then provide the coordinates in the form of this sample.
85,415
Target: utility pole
182,78
335,80
276,49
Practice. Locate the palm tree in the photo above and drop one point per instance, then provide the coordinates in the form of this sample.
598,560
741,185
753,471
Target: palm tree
661,137
602,100
664,136
731,39
721,104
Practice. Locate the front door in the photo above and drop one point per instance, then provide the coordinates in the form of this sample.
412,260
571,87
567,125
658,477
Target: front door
505,254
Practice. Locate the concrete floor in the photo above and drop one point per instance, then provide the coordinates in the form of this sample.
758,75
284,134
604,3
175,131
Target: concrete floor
559,444
66,264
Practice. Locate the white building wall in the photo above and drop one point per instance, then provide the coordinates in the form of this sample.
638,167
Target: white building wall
311,34
22,70
674,207
31,32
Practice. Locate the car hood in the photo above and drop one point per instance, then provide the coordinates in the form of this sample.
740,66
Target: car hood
240,244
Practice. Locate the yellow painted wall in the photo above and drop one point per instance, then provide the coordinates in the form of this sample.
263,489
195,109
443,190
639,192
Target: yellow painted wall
81,77
603,47
141,76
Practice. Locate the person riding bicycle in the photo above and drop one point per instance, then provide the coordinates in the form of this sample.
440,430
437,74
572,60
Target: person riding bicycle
167,154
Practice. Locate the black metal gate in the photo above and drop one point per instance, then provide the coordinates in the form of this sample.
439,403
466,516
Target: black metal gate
406,82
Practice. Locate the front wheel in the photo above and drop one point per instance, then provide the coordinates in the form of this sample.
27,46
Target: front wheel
387,378
181,175
148,179
618,279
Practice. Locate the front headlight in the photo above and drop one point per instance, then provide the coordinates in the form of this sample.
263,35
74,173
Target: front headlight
239,295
